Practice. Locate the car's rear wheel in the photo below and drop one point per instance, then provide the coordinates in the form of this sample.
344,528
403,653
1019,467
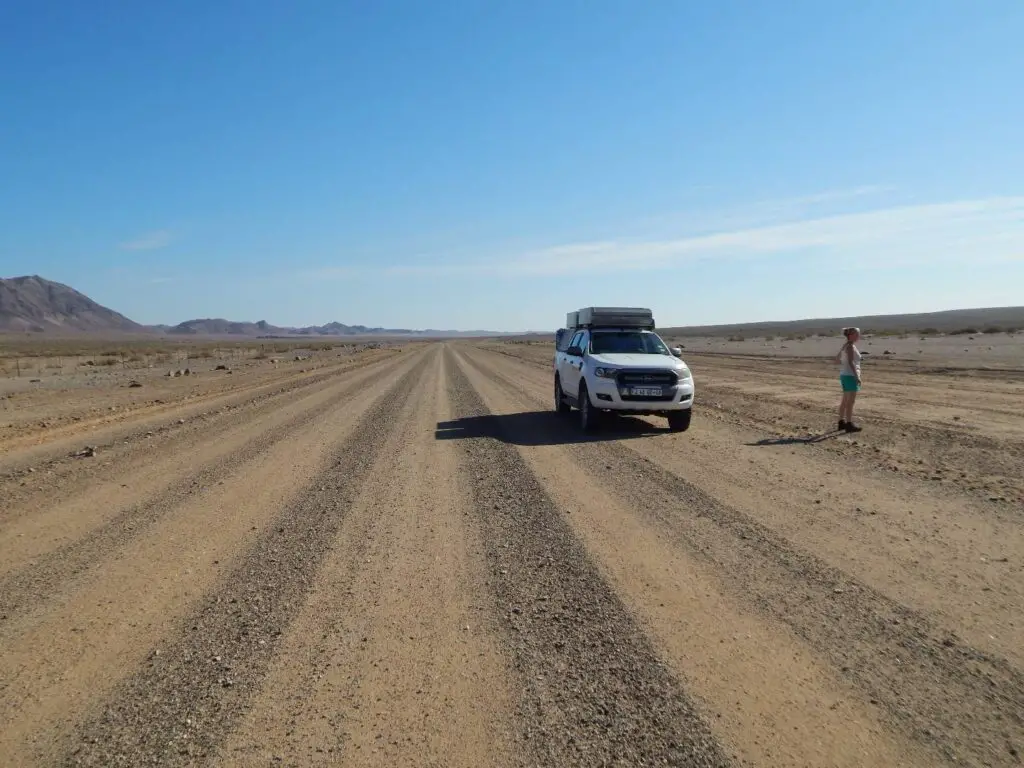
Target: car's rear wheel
561,406
679,421
588,414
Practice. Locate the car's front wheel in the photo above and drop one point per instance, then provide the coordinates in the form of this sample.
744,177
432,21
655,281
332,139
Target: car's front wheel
679,421
588,414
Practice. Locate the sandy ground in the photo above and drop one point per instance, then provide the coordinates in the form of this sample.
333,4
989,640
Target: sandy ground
1000,351
403,557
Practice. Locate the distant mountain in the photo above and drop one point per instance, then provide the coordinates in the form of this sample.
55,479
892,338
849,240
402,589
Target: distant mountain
262,329
949,321
35,304
221,327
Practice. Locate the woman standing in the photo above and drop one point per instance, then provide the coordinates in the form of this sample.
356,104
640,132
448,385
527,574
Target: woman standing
849,377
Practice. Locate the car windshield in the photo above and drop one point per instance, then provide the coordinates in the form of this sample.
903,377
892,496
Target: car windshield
627,342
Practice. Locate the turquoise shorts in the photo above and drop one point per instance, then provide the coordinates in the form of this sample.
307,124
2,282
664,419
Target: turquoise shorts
850,383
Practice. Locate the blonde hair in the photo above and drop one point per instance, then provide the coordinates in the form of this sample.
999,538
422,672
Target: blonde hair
848,332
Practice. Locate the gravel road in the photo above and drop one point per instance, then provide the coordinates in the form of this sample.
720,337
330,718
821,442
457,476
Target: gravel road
405,558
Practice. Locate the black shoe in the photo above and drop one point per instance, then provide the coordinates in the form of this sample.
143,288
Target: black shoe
851,427
842,425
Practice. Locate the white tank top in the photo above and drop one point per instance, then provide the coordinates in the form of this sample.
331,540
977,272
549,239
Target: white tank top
844,363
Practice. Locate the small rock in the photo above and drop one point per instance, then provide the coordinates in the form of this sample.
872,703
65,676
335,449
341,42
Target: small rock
134,384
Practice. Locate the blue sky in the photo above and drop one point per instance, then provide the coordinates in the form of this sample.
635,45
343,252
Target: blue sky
494,164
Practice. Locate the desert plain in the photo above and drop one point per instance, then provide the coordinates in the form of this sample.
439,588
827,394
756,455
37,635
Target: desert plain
396,554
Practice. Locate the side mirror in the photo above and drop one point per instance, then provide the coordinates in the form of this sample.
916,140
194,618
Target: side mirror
676,351
574,352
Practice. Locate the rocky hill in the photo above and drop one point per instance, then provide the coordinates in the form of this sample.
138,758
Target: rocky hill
35,304
220,327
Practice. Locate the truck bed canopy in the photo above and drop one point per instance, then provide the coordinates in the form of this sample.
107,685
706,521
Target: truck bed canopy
611,317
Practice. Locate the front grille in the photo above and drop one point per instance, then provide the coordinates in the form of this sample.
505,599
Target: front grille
647,379
664,380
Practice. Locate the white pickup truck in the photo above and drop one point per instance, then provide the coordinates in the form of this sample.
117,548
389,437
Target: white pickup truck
609,359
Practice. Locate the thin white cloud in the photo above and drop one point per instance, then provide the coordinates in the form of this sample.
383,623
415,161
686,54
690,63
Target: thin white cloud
151,241
765,212
828,196
968,231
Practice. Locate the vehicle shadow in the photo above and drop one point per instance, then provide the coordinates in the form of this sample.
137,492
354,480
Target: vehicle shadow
806,440
537,428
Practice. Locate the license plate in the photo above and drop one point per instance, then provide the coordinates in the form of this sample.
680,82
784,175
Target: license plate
646,392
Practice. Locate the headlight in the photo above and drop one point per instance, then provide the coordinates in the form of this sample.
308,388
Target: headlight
605,373
684,374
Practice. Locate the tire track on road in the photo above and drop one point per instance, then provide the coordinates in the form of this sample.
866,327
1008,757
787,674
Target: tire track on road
56,441
594,690
112,434
27,485
33,584
920,546
771,696
941,692
98,630
393,660
180,709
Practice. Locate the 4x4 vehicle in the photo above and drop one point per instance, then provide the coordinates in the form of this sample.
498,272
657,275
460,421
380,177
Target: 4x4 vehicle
609,359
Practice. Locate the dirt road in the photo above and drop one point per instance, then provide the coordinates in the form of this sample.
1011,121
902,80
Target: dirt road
407,559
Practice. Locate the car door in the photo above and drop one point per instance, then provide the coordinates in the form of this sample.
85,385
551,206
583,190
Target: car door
574,365
566,366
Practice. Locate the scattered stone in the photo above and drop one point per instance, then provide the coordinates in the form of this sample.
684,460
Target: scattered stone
134,384
221,368
88,452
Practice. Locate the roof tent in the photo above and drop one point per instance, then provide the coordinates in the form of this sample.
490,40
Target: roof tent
613,317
